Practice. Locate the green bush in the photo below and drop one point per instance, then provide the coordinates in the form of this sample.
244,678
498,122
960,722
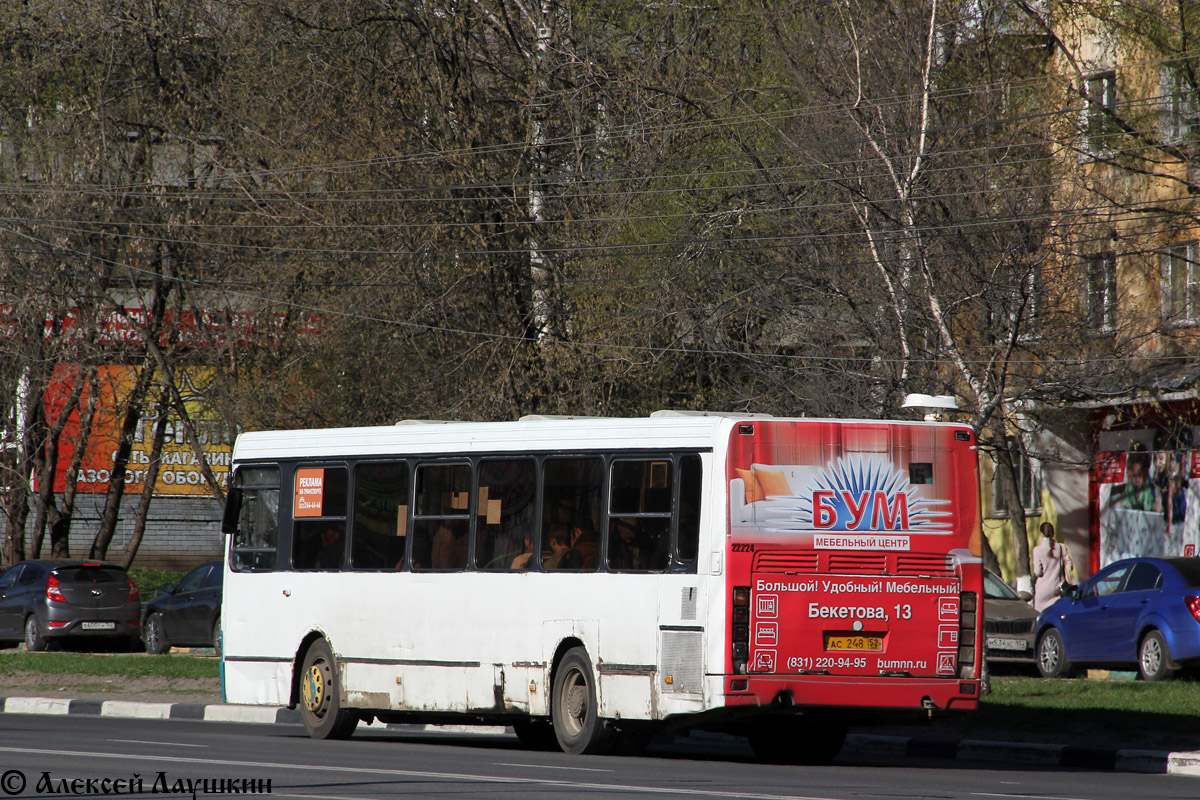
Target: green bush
150,581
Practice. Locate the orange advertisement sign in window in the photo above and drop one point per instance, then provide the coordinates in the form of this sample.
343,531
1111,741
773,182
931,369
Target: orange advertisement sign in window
310,489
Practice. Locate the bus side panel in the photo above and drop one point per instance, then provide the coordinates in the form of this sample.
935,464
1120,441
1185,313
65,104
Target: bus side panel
257,683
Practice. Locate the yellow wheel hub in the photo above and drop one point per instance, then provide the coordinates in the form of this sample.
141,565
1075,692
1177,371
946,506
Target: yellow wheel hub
313,688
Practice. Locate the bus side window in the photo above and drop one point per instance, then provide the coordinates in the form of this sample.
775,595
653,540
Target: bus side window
319,518
378,535
572,496
504,517
687,539
441,517
257,532
639,528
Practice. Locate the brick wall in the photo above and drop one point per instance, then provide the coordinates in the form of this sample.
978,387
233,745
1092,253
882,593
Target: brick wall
181,532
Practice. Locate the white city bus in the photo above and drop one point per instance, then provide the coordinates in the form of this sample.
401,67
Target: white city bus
590,581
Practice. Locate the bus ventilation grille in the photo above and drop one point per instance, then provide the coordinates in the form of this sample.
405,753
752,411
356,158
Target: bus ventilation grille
780,561
682,662
860,563
921,565
851,563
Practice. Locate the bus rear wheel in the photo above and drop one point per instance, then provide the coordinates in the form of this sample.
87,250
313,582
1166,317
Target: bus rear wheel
320,701
808,739
574,707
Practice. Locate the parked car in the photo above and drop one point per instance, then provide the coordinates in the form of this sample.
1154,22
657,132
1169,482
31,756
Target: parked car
47,600
186,614
1137,613
1008,621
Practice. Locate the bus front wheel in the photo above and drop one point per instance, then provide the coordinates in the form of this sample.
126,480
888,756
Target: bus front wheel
320,701
574,707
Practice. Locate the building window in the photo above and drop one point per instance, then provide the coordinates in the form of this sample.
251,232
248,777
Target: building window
1029,480
1180,122
1100,288
1100,127
1181,284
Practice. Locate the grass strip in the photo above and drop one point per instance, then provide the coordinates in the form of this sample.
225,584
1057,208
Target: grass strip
129,666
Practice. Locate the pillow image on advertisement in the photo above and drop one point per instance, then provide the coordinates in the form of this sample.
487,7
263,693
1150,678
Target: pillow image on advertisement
773,483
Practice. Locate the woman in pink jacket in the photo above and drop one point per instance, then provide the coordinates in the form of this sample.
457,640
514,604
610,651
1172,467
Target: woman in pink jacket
1051,562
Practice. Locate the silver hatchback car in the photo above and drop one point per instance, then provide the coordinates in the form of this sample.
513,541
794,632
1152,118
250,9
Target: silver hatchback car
55,599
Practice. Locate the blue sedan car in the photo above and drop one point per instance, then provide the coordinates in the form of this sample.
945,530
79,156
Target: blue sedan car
1138,611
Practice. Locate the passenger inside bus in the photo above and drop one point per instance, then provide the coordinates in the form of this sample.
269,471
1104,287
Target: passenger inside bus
333,548
319,545
450,546
623,553
559,537
521,561
585,549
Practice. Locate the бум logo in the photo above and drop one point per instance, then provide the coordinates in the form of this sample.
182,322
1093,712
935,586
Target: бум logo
861,494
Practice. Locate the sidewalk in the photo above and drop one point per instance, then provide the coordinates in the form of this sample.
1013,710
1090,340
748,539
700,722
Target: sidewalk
861,743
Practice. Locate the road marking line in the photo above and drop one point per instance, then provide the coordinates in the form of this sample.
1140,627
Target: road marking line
547,766
406,773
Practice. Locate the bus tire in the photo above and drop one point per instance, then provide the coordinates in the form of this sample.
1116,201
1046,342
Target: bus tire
536,734
808,739
575,707
320,701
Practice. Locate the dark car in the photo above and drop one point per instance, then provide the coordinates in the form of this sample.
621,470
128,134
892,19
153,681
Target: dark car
1008,621
48,600
186,614
1137,613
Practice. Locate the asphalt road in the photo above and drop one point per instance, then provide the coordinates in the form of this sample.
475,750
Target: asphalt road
56,756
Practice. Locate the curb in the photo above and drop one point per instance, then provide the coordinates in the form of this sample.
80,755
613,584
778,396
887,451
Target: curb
866,744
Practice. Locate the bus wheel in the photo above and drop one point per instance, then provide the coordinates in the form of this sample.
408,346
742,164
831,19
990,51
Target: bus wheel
809,739
574,707
320,704
536,734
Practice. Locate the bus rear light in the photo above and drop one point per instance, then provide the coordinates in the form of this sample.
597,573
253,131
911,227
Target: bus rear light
967,606
966,662
740,631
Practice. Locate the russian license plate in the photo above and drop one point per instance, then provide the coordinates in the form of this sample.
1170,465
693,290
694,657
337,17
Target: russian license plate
98,626
854,643
997,643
